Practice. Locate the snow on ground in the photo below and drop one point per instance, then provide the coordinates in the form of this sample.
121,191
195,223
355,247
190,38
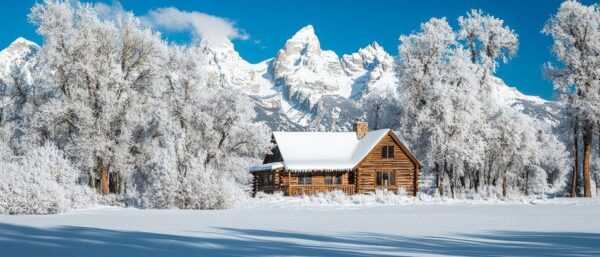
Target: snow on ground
276,226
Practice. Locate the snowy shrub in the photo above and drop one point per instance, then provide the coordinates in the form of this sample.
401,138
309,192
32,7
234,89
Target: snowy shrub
197,188
388,197
336,196
207,190
401,192
41,182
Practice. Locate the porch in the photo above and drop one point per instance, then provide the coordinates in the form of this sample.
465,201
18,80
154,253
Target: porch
296,190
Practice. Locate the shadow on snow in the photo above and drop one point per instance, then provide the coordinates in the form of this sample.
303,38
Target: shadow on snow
83,241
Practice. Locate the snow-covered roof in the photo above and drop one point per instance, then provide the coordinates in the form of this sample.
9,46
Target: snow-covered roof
266,166
325,151
402,139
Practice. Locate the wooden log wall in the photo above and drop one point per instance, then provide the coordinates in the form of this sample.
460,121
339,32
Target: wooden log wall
405,169
318,178
365,175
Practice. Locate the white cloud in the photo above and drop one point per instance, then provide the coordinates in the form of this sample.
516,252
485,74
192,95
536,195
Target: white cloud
114,11
203,26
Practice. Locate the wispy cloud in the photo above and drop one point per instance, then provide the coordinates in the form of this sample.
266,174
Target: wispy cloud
203,26
110,12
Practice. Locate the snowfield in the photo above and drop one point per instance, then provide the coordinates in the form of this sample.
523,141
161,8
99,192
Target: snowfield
276,226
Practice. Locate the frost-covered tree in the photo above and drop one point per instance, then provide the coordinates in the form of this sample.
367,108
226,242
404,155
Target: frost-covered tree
139,113
382,107
575,29
487,39
18,101
511,147
40,182
102,73
207,137
468,137
438,96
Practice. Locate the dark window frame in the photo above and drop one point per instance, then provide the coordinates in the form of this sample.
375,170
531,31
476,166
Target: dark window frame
304,179
387,152
333,179
351,178
266,180
328,179
385,178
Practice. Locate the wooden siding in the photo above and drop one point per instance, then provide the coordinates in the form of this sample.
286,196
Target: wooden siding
405,168
287,182
312,189
318,178
403,164
290,186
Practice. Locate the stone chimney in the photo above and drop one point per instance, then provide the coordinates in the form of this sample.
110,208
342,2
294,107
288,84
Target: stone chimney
361,128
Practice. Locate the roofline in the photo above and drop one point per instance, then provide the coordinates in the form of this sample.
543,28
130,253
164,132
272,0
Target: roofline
389,132
266,170
402,147
325,170
406,150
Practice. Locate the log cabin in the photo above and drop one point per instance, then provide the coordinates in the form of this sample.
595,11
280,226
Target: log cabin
355,162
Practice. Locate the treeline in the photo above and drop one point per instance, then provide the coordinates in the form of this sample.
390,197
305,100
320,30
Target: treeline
575,30
133,115
448,106
111,108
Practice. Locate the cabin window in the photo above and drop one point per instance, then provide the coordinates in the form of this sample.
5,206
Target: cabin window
266,180
333,179
328,180
386,178
304,179
351,178
338,179
387,151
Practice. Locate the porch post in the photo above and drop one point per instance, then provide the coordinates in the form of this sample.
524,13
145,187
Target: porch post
289,183
416,182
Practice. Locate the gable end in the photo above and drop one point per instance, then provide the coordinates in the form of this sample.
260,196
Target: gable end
399,143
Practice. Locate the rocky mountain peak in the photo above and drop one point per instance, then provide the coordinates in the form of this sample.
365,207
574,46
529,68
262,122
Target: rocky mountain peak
302,49
305,35
300,86
19,47
20,55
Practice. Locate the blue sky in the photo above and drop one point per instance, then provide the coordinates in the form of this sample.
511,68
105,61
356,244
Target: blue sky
343,26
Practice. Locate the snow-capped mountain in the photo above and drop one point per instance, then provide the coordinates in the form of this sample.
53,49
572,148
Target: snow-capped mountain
544,111
303,85
305,72
18,57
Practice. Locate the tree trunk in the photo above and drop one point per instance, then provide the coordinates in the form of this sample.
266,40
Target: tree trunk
587,149
451,178
597,180
92,180
597,173
114,179
527,181
489,175
122,184
505,176
575,160
477,178
504,184
440,179
103,177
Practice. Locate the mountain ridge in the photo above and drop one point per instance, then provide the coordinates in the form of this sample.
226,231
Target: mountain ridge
302,85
